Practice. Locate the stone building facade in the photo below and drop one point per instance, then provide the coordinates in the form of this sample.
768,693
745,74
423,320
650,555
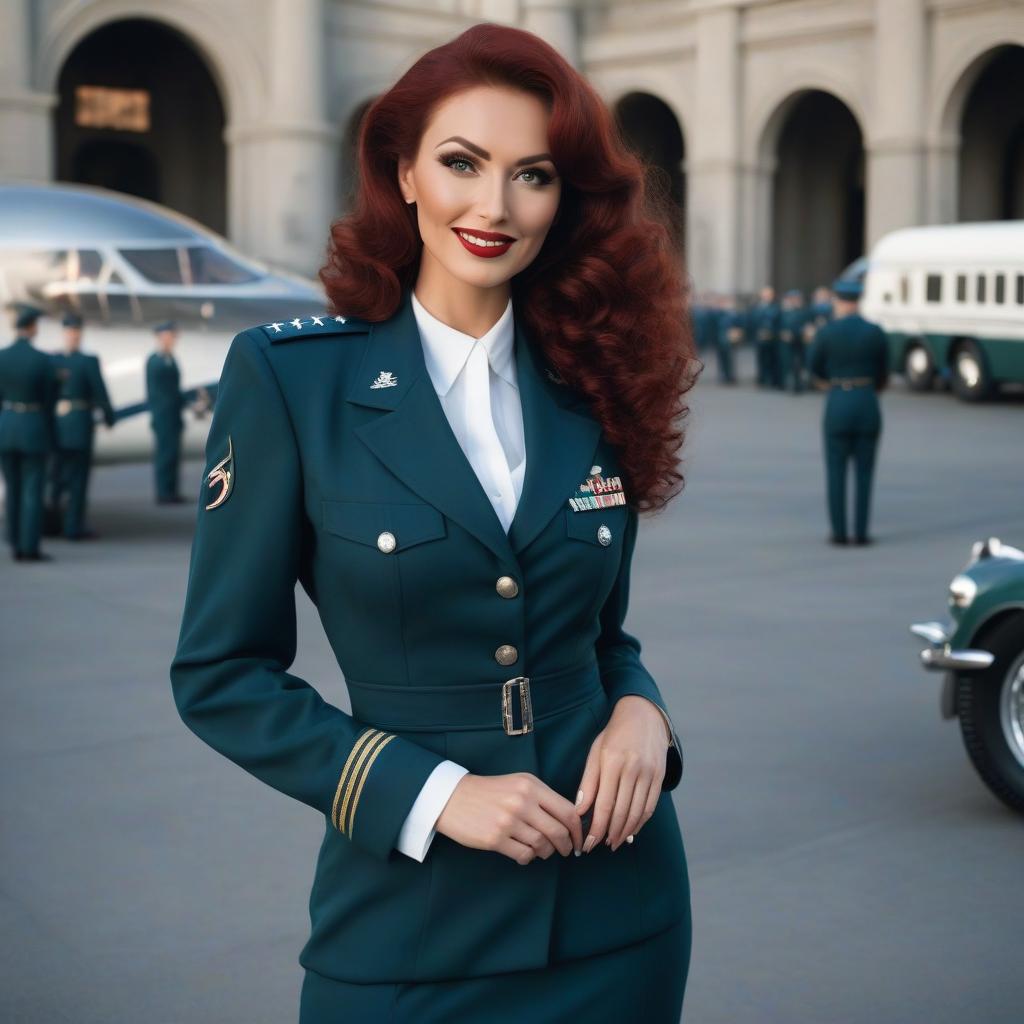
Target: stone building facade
792,133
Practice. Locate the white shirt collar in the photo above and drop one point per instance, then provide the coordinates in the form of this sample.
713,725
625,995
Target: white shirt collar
445,350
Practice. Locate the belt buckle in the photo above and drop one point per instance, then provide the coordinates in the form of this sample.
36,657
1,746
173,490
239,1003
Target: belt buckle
525,705
63,406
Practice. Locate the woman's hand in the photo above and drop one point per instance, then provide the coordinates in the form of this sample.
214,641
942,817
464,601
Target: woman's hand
624,771
514,814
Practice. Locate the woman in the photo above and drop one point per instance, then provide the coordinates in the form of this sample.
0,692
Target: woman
452,464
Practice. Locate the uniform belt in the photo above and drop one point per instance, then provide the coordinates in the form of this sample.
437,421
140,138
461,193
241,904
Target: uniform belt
23,406
851,382
66,405
513,704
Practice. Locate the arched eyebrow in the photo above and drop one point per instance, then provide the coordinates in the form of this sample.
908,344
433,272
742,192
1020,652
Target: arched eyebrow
484,155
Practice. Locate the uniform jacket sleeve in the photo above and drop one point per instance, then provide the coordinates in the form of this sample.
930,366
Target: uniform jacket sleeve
618,654
237,640
99,391
816,361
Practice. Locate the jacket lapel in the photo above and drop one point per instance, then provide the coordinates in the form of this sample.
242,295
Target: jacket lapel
561,440
415,441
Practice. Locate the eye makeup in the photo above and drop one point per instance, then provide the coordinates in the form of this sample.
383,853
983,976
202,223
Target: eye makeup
456,156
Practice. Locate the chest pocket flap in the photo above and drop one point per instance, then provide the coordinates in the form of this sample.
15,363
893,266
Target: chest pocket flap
364,522
587,525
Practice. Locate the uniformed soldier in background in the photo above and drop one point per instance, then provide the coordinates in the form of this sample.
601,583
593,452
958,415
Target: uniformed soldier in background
730,333
163,392
701,314
81,389
765,321
791,340
819,314
28,389
850,358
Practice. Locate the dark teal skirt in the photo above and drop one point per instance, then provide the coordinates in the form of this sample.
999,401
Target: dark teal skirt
644,981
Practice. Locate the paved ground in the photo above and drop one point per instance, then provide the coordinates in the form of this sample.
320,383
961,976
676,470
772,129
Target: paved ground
846,863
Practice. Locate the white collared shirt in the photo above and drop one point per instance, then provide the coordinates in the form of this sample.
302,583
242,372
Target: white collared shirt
488,424
487,421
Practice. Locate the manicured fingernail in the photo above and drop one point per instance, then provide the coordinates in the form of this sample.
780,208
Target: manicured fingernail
579,797
576,853
589,844
629,839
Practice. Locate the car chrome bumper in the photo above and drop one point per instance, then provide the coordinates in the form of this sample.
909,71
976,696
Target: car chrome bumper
941,657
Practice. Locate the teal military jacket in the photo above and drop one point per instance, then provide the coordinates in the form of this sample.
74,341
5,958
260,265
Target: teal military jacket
851,347
765,320
81,390
28,389
330,462
163,392
791,324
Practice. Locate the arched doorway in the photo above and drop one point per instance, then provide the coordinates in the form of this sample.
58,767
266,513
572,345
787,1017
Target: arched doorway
139,112
992,139
651,130
817,200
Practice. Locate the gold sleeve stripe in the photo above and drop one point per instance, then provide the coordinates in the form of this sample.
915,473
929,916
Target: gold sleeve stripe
353,775
369,734
362,779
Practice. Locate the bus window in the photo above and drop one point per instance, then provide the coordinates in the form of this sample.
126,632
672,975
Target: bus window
1020,289
961,287
980,288
933,288
1000,295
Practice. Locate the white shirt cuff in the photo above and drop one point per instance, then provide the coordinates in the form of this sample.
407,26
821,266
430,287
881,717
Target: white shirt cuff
418,830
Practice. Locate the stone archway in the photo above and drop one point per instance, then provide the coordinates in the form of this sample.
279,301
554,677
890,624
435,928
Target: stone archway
140,112
991,172
651,130
814,148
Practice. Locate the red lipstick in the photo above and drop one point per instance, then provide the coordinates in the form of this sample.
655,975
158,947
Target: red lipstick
487,251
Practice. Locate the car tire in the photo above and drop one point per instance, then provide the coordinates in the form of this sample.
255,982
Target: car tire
918,368
970,376
990,706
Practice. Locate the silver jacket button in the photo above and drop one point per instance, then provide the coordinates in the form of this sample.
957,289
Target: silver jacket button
506,586
604,535
506,654
386,542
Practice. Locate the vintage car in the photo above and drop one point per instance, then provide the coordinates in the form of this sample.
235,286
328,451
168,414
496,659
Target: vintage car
980,648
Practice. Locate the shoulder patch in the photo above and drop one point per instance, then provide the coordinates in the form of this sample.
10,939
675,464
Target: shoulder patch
317,325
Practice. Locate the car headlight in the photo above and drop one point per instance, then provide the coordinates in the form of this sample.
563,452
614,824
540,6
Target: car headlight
961,591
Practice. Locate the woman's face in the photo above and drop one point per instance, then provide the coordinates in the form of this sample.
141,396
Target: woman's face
482,171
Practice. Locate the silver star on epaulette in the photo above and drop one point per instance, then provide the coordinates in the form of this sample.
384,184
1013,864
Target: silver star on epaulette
296,323
317,321
277,325
340,319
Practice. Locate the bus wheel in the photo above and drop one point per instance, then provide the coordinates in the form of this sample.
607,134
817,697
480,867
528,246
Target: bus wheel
971,379
918,368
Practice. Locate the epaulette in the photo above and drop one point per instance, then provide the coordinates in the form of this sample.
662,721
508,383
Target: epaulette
319,325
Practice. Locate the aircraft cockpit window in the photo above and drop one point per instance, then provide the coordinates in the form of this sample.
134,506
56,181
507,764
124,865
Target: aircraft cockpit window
210,266
159,266
84,265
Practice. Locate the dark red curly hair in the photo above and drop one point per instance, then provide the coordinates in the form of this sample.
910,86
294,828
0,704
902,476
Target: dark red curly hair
605,298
